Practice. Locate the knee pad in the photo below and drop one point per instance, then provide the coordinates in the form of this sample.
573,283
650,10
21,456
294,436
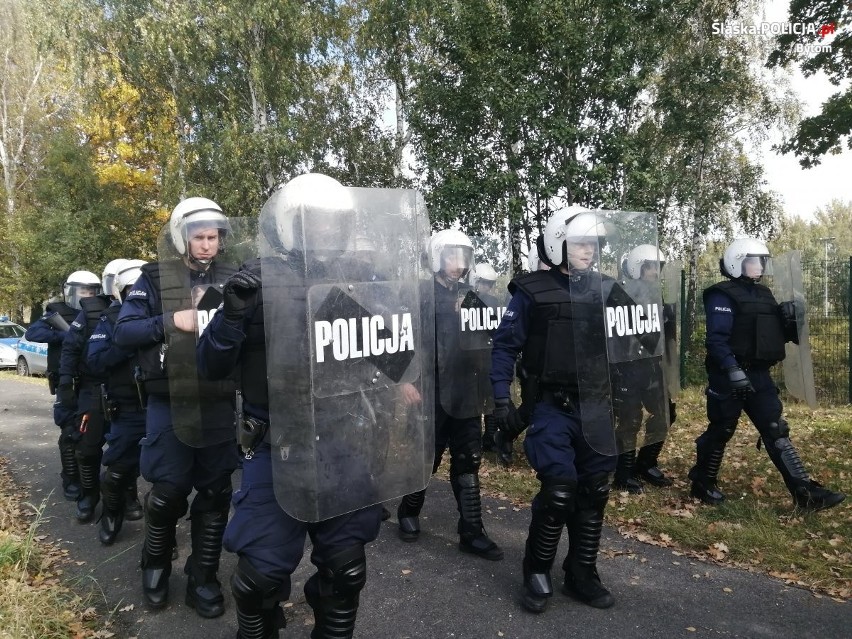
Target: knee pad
466,462
558,497
255,592
164,504
719,433
593,491
213,498
344,574
775,430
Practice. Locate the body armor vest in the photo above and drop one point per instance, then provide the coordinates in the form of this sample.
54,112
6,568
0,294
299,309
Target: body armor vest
120,379
757,336
94,307
54,351
171,280
566,328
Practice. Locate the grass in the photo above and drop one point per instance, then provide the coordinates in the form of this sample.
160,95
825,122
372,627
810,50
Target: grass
35,603
757,528
11,374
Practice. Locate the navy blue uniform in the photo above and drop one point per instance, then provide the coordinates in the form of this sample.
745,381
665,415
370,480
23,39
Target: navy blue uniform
126,414
171,465
91,421
269,542
459,376
165,458
64,417
127,422
556,322
554,443
746,332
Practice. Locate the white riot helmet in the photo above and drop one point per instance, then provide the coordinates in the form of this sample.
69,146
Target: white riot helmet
484,274
450,248
78,285
573,225
534,262
312,213
747,258
637,258
108,276
126,276
192,215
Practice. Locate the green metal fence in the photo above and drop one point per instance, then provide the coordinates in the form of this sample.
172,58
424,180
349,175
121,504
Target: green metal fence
828,289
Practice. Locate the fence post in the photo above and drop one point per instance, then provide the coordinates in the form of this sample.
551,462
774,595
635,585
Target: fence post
683,344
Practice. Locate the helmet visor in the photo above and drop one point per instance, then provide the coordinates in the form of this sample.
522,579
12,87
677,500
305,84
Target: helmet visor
756,266
456,261
327,232
75,292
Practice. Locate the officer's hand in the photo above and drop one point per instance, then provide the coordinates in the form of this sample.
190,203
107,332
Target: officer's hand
410,394
501,413
185,320
66,396
740,383
791,312
239,294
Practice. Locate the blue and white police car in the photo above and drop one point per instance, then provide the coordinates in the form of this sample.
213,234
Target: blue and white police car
10,334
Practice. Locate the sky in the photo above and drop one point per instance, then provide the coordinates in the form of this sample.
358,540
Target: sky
804,190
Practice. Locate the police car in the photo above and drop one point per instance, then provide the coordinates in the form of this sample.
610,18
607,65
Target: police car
32,358
10,334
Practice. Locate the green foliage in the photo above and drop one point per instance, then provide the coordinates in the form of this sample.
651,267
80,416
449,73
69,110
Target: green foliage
827,49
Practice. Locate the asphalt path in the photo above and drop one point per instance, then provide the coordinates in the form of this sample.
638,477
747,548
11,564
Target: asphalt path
427,589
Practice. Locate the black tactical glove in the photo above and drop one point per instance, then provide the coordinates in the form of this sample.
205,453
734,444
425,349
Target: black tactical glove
740,383
790,312
239,294
501,413
66,396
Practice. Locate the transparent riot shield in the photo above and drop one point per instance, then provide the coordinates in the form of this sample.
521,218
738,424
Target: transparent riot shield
670,276
466,318
193,401
350,365
618,339
787,286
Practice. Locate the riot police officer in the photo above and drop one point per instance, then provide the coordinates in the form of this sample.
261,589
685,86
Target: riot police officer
519,417
484,279
460,397
124,408
638,386
556,320
746,333
74,373
317,482
52,329
189,431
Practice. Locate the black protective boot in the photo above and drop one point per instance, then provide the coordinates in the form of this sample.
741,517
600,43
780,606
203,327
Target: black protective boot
704,474
554,502
259,615
584,531
90,489
163,507
408,515
334,594
646,466
807,493
156,565
203,590
132,507
472,536
624,471
70,472
112,517
814,496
